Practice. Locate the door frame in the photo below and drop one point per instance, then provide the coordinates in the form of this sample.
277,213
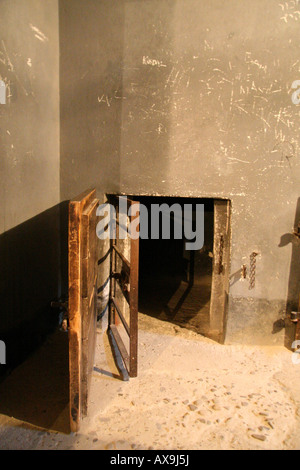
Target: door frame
221,261
221,270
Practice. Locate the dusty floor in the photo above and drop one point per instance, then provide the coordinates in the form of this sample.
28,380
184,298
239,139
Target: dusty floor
191,393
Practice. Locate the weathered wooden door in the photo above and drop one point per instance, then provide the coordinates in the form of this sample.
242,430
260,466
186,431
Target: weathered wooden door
83,257
123,312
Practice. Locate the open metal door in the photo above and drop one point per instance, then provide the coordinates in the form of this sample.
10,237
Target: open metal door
83,257
123,311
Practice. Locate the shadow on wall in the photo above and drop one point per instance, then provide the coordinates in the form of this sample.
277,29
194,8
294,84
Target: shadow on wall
292,303
33,272
30,278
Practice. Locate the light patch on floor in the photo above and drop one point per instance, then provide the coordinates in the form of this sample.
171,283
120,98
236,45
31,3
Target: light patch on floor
191,393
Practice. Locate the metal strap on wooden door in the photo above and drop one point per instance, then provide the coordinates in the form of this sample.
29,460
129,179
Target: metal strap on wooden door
123,315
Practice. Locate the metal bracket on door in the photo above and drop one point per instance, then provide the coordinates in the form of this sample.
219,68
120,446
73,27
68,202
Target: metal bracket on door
123,279
294,317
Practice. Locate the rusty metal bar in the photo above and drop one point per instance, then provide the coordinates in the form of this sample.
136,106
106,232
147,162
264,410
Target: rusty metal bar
118,310
121,225
129,288
125,261
121,346
124,292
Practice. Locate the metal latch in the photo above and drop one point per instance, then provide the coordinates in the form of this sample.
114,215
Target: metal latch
123,279
295,316
297,230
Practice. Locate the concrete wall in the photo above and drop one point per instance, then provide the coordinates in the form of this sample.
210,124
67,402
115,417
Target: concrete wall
91,58
29,172
29,56
164,97
193,98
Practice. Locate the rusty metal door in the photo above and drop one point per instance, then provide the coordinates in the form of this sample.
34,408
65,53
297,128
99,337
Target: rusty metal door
83,257
123,312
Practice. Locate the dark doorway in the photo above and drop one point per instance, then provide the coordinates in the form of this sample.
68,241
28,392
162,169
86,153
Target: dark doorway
175,283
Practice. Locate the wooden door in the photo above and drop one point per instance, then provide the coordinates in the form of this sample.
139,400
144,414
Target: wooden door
83,257
123,313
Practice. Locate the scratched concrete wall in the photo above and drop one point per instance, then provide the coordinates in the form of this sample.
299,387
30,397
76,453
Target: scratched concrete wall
29,172
193,98
91,65
29,127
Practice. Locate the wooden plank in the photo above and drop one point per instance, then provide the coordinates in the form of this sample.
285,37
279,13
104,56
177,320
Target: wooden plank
125,260
89,309
79,244
118,310
89,248
84,198
133,295
74,314
89,296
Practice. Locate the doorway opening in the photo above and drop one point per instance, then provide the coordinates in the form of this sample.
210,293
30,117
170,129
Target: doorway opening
189,287
178,274
174,282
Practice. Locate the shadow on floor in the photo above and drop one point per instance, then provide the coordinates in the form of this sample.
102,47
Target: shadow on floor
33,272
37,391
173,300
175,282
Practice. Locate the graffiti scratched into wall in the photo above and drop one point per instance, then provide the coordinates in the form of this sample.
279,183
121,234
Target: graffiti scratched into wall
2,92
296,94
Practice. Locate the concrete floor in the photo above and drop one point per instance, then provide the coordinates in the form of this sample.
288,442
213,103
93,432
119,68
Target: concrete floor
191,393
